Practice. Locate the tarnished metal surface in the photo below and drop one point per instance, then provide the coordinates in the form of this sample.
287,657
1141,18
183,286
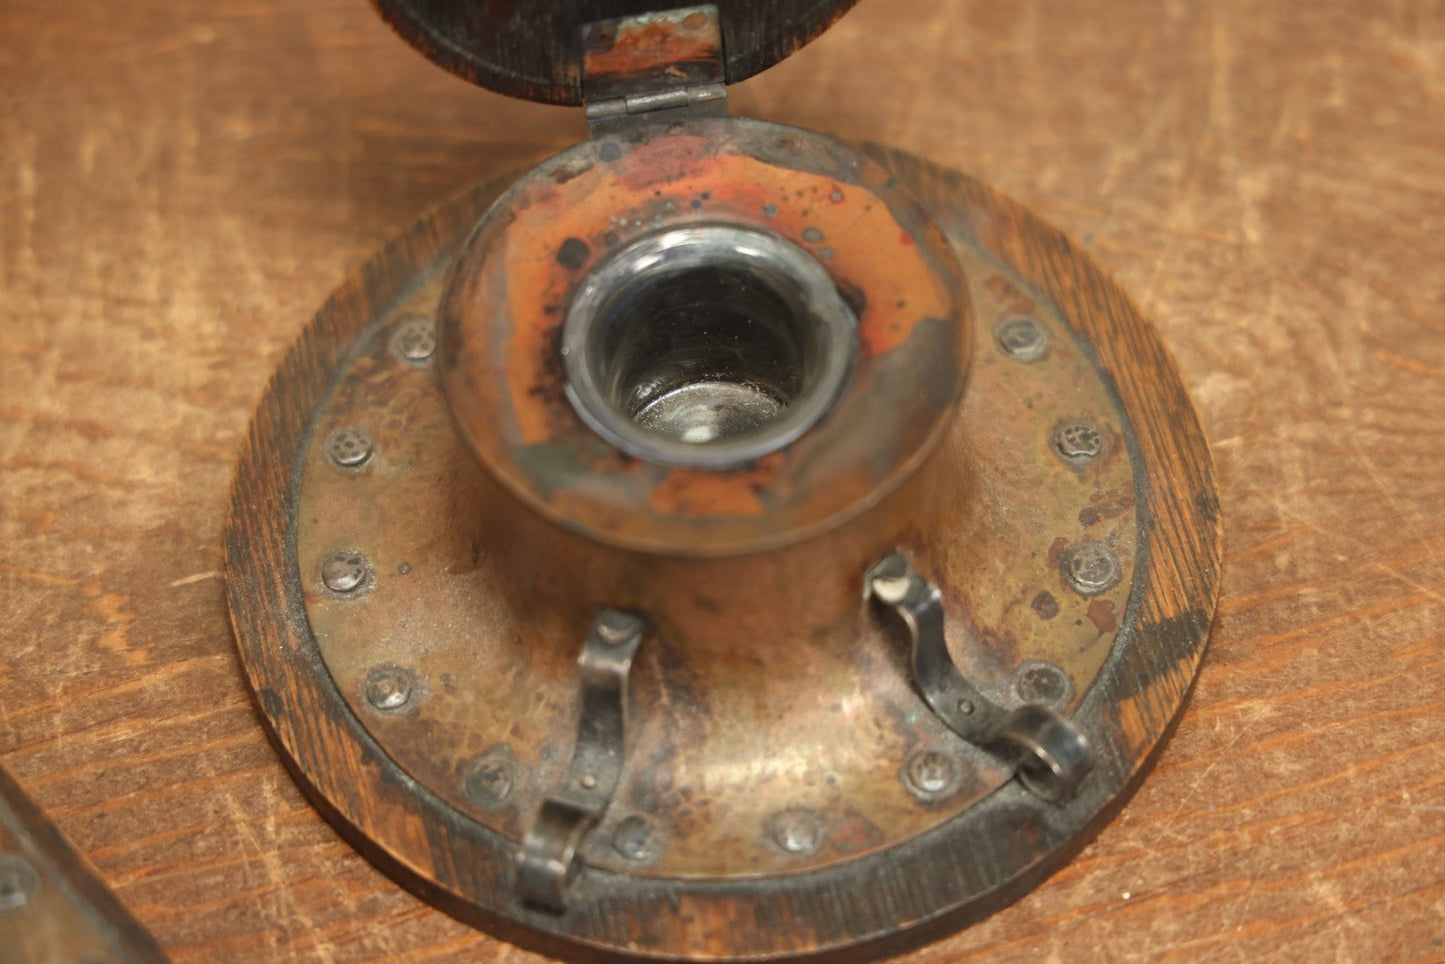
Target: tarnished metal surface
549,856
675,47
1048,752
708,792
656,61
53,907
502,319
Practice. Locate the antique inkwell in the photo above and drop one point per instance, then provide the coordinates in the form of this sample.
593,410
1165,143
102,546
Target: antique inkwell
719,541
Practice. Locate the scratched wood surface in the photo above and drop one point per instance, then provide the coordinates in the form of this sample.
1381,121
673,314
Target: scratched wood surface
181,185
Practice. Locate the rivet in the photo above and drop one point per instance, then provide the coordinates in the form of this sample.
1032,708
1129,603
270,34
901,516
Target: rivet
1022,339
588,781
890,579
1090,568
965,706
1040,682
389,687
1079,441
345,573
18,882
616,628
415,339
490,778
634,840
349,448
929,773
797,831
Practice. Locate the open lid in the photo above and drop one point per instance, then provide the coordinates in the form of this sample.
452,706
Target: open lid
533,48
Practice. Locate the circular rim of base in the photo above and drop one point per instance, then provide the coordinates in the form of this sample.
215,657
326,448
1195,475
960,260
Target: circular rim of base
888,900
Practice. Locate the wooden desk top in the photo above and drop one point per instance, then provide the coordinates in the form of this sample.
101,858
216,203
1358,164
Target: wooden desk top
181,184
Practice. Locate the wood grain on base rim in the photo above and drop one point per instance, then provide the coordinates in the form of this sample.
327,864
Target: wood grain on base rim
463,868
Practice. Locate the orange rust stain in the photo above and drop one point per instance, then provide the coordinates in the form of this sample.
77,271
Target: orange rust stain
846,228
531,286
854,833
690,492
645,50
1056,550
1106,506
1102,615
677,180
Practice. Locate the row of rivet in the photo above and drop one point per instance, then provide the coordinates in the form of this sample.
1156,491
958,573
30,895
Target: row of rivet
346,573
1090,567
414,343
929,775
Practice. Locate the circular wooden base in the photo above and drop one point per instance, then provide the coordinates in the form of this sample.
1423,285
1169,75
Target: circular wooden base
1129,654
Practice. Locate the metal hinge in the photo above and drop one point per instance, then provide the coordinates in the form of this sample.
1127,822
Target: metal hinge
551,851
666,61
1048,753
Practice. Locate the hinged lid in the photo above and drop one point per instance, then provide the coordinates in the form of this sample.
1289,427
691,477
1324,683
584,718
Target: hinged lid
533,48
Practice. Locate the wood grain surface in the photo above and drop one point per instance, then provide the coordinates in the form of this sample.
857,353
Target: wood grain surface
182,184
534,50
